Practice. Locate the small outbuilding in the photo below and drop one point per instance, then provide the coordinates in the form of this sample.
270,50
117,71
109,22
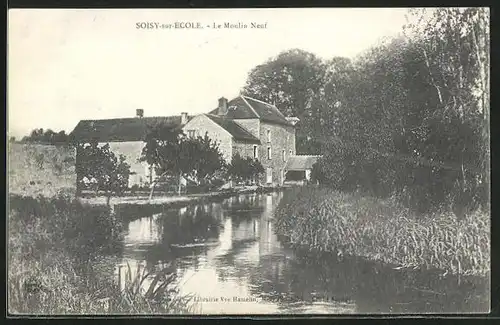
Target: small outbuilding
299,167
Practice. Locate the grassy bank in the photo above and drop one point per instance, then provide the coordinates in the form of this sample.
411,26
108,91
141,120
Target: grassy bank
60,261
350,224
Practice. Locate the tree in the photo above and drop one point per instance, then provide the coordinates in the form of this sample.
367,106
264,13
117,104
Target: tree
245,169
454,44
170,152
291,81
61,138
256,169
202,158
411,115
162,152
334,95
100,167
47,137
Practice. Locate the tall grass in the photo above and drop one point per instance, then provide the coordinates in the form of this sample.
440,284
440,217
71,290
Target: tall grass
55,246
349,224
151,292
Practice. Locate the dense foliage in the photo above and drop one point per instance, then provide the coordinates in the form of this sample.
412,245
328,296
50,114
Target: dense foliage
48,136
245,169
292,80
172,153
409,117
100,169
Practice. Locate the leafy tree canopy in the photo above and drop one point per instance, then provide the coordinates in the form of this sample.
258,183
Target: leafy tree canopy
48,136
245,169
172,153
409,116
291,81
101,169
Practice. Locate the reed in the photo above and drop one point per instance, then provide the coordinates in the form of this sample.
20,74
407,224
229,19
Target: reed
53,244
150,292
350,224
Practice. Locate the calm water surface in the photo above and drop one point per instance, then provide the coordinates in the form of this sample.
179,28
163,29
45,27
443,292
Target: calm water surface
228,255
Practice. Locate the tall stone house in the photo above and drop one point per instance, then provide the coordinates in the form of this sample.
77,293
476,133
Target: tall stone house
250,128
243,125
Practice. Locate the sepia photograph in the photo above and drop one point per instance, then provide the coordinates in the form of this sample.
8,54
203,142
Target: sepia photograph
298,161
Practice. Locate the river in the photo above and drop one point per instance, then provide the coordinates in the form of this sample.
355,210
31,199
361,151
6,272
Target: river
228,256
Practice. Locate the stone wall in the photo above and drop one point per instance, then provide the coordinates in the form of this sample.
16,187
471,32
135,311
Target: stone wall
132,152
244,149
204,125
36,169
282,138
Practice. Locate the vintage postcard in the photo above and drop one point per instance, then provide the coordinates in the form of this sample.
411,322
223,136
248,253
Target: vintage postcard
248,161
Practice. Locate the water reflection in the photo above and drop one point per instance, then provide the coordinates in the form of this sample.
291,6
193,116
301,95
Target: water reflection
230,257
144,231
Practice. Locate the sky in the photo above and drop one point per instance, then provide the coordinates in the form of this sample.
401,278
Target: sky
68,65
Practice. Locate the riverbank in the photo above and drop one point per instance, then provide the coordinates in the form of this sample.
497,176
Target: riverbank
59,263
143,198
139,205
348,224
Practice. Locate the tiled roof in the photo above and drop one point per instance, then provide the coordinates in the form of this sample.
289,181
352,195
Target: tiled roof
236,130
301,162
266,112
244,107
121,129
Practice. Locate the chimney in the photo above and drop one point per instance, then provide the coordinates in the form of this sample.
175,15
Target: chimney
184,118
292,120
139,112
222,109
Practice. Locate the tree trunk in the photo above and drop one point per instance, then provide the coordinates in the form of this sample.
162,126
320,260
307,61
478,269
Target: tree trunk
153,185
480,46
179,188
432,77
78,191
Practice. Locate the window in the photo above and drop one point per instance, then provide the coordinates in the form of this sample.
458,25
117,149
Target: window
284,155
268,152
255,153
269,136
191,133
